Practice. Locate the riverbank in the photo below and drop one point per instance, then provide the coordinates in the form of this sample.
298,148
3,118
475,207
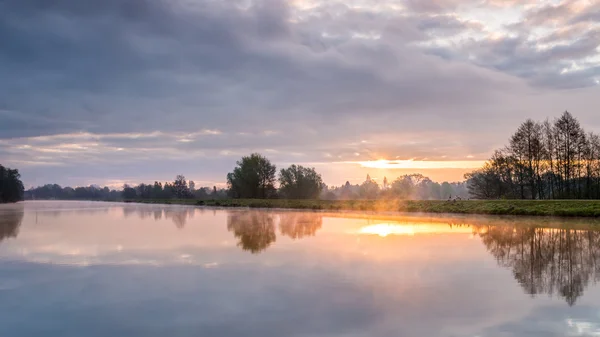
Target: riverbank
563,208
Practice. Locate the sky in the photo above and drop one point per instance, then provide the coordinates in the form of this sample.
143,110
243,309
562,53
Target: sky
115,91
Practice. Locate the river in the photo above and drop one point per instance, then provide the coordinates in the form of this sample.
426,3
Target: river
110,269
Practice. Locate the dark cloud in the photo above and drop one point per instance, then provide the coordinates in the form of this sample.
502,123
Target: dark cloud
548,14
564,12
208,62
591,15
316,77
544,63
445,24
433,6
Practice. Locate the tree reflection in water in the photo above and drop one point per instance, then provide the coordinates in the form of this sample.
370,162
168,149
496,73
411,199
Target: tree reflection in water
254,229
298,225
178,215
546,260
553,261
10,223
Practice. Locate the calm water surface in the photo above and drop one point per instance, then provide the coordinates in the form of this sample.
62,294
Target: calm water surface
101,269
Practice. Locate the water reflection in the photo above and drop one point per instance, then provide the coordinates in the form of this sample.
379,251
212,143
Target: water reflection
546,260
149,270
552,261
297,225
10,223
254,229
178,215
411,229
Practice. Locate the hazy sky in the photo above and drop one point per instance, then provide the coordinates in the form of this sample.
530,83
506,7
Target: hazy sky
118,91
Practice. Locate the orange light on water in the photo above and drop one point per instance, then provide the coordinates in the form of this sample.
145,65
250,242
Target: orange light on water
386,229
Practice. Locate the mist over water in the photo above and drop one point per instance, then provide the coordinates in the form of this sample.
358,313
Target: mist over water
108,269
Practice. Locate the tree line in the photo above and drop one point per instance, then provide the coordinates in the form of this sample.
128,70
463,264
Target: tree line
255,177
178,189
57,192
408,187
543,160
11,186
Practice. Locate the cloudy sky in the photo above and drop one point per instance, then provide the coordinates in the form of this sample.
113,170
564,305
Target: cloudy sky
117,91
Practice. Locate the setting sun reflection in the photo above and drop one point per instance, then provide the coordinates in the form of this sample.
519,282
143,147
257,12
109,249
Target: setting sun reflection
385,229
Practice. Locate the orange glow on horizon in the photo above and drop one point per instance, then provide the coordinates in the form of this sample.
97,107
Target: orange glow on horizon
421,164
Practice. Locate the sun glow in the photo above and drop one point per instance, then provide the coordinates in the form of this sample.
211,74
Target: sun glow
421,164
386,229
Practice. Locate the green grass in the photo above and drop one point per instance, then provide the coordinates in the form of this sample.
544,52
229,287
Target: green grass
563,208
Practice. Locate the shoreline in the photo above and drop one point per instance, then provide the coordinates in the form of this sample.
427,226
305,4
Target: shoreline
555,208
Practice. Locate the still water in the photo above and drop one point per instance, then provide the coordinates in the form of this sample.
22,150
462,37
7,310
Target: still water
102,269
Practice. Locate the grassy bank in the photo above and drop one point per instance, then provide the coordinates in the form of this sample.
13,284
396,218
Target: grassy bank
566,208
